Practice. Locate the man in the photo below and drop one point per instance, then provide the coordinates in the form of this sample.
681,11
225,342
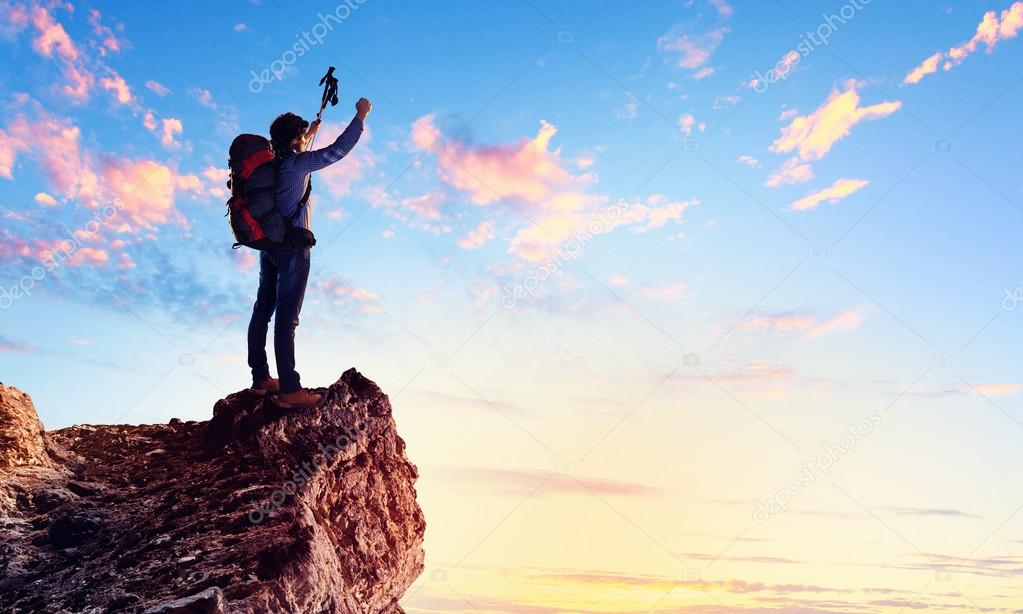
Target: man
284,271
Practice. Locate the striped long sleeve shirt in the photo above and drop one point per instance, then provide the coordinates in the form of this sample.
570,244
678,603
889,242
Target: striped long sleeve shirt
293,175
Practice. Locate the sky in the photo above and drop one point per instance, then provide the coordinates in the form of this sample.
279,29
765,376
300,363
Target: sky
683,306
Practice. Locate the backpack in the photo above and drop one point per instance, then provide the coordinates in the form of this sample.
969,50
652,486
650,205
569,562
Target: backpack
252,210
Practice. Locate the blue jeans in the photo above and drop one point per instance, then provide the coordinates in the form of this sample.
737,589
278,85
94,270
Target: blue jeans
283,274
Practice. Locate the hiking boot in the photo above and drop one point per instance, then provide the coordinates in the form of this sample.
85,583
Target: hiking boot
299,398
268,385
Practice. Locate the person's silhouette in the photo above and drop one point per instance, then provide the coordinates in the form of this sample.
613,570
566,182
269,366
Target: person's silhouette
284,271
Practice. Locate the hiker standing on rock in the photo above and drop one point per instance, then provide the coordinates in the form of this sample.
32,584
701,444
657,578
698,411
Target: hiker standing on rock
284,270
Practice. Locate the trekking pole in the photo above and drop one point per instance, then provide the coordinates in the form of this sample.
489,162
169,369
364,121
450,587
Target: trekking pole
329,83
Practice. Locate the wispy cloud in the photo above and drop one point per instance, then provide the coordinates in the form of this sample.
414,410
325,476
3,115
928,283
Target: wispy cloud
8,344
521,482
831,194
992,29
528,173
691,51
478,236
998,390
930,511
158,88
928,66
812,136
810,327
791,172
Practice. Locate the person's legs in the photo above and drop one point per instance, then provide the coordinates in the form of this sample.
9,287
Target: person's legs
266,300
292,275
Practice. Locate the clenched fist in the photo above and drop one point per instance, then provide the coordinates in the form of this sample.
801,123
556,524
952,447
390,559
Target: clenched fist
362,108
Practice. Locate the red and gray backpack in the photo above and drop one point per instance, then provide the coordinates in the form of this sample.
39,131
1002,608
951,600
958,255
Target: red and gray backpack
251,209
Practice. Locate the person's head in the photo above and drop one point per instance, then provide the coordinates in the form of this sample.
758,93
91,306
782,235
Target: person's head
287,133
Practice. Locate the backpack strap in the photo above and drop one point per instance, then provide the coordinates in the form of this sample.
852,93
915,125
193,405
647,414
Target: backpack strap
291,219
301,203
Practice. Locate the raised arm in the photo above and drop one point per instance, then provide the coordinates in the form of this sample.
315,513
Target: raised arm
308,161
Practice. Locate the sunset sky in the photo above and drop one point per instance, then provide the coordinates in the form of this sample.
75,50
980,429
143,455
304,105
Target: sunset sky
683,306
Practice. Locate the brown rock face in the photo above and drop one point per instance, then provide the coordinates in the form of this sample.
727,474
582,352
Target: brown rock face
21,432
257,510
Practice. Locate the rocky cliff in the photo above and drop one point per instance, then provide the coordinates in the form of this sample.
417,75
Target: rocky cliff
256,510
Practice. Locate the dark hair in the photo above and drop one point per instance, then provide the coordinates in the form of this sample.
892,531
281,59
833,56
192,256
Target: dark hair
284,130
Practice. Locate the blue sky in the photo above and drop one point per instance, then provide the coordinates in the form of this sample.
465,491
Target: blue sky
725,325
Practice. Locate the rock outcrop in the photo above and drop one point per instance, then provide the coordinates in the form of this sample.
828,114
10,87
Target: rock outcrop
256,510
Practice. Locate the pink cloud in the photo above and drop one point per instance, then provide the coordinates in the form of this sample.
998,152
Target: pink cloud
10,145
52,38
142,190
16,16
526,170
528,173
245,259
117,85
812,136
425,134
791,172
618,280
478,236
998,390
832,194
204,97
928,66
45,199
108,40
67,253
757,372
722,7
992,29
805,324
426,206
157,87
693,50
340,292
215,178
666,292
703,73
558,225
10,345
171,126
53,41
524,481
686,123
56,143
846,321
